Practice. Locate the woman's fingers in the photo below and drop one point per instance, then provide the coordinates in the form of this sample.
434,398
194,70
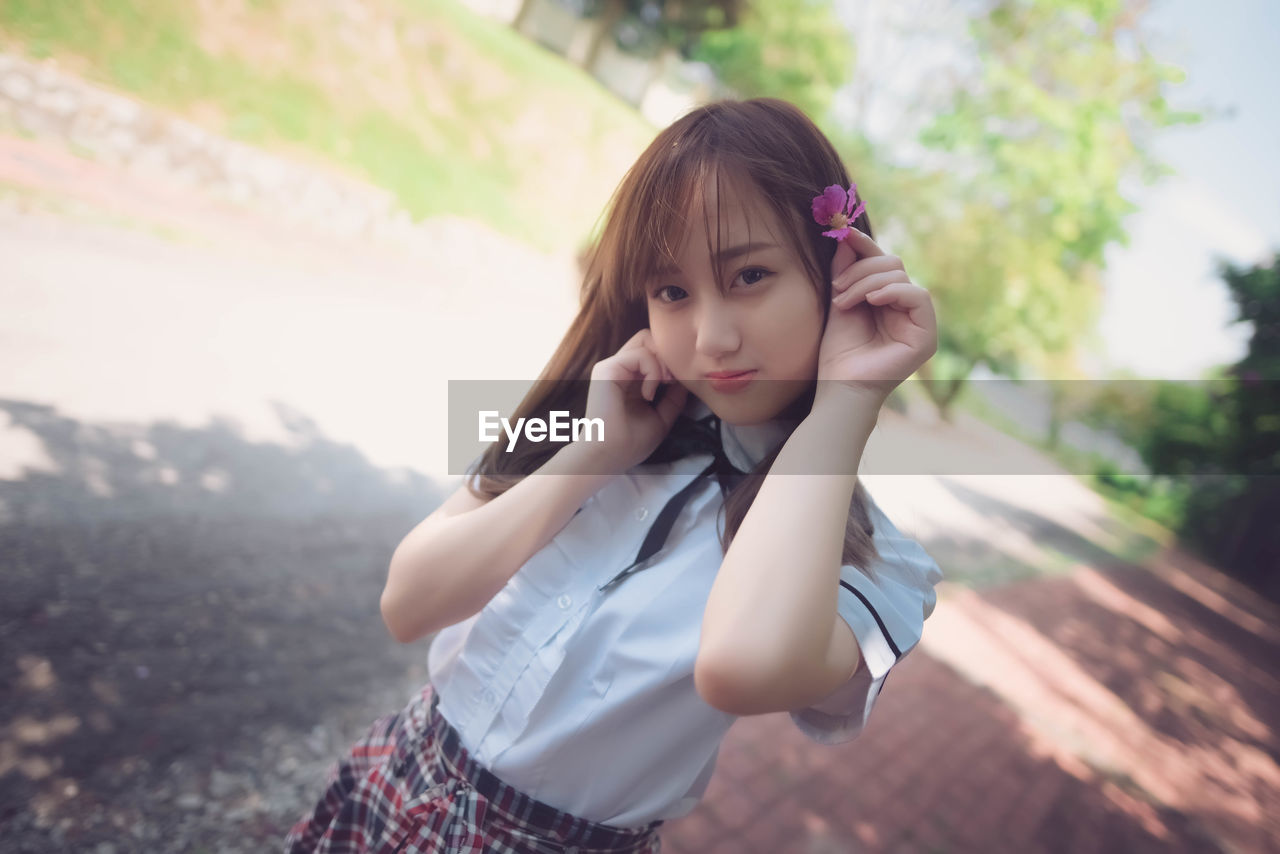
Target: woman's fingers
672,403
900,295
641,361
640,356
643,338
627,366
909,298
842,260
866,267
661,374
862,244
861,287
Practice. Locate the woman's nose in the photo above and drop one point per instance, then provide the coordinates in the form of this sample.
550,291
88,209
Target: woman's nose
718,332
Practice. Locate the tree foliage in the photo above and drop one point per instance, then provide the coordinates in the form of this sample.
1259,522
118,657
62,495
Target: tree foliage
1217,442
1011,237
796,50
1233,517
682,23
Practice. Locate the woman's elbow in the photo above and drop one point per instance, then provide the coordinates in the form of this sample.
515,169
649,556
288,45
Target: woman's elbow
731,688
395,621
753,685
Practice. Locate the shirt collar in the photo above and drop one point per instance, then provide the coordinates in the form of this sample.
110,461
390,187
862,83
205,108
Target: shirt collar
747,444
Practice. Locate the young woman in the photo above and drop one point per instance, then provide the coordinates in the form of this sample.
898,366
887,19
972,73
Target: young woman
598,631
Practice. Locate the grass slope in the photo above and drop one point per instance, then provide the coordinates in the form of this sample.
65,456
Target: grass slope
453,113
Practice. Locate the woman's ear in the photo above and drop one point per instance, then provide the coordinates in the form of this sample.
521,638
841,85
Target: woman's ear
844,257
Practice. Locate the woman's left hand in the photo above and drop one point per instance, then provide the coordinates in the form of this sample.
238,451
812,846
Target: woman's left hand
882,326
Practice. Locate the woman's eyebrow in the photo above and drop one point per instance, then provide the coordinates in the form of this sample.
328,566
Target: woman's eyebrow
723,255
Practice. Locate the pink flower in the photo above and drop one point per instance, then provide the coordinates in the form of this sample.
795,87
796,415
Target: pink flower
834,208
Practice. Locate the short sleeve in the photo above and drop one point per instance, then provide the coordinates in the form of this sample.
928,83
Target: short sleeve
886,609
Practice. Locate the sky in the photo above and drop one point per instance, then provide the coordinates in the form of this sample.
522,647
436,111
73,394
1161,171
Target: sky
1166,314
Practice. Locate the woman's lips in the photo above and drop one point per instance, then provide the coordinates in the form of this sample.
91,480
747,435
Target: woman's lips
726,381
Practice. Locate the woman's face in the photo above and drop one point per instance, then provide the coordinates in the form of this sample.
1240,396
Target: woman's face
763,323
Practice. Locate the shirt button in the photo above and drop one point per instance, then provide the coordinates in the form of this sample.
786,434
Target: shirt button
564,601
642,513
489,698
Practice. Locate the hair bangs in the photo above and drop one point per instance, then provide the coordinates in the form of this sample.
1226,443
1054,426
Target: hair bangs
668,196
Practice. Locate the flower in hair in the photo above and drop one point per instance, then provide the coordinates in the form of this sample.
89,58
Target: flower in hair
834,208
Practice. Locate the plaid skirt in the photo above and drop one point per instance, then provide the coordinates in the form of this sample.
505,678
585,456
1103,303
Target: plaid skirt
410,787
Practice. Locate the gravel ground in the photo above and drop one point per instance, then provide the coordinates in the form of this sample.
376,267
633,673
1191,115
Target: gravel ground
209,448
188,663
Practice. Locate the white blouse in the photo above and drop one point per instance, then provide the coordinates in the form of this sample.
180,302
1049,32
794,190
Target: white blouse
584,699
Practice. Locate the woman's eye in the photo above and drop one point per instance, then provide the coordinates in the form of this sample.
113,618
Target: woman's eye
669,293
753,275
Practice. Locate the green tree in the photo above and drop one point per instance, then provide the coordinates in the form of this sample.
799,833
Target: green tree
1256,291
797,50
1232,516
683,23
665,25
1216,443
1009,234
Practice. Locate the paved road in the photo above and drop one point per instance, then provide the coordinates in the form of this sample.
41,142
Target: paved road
118,325
189,614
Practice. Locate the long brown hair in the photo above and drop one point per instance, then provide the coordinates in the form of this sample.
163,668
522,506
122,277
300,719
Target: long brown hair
781,153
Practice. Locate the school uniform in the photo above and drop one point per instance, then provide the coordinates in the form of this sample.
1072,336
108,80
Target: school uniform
572,689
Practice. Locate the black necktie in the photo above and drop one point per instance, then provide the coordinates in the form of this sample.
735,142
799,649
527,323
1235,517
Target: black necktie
688,437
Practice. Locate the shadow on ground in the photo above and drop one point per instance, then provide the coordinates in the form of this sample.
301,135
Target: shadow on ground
1110,706
1144,643
944,765
980,564
190,628
181,607
1190,653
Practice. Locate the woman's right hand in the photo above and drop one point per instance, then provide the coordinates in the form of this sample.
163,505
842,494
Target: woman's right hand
621,395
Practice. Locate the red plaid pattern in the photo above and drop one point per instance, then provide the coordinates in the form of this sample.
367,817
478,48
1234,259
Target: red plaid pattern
410,787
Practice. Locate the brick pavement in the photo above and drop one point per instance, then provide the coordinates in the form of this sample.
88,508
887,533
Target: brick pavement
1122,709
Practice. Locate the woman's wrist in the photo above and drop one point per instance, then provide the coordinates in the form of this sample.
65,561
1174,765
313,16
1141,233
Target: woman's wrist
585,458
836,430
858,402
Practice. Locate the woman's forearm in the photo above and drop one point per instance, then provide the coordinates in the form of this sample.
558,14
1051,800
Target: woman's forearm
772,606
447,569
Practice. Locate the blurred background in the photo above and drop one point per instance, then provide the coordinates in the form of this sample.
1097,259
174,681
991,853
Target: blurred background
246,244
